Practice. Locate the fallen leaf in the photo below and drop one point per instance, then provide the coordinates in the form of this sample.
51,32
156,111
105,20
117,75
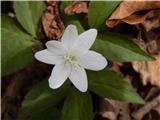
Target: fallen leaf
126,8
107,110
153,36
129,12
77,7
141,112
52,22
152,93
149,70
153,46
114,110
152,20
116,66
149,21
157,108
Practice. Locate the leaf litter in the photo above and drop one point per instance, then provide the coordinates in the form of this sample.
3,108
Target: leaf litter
77,7
146,13
114,110
52,23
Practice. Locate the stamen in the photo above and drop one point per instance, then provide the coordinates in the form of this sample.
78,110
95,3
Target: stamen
71,58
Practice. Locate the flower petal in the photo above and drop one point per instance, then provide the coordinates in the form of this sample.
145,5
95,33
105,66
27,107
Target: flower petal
93,61
79,78
86,39
69,36
47,57
60,73
56,47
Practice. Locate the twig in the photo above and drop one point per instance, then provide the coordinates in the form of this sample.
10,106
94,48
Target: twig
139,114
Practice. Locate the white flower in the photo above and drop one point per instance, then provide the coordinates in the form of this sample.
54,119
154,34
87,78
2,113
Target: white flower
71,56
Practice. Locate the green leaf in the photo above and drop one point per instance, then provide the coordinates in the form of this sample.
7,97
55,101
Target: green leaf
99,11
7,117
77,106
77,24
28,14
42,97
116,47
48,114
109,84
16,46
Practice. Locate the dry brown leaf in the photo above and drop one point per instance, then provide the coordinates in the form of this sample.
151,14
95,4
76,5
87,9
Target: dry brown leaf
149,70
141,112
152,20
114,110
107,110
149,21
127,8
77,7
52,22
153,47
157,108
128,12
116,66
152,93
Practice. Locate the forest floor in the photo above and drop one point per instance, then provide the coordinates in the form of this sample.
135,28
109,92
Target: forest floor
143,25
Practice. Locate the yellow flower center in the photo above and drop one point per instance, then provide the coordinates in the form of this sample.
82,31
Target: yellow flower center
71,58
